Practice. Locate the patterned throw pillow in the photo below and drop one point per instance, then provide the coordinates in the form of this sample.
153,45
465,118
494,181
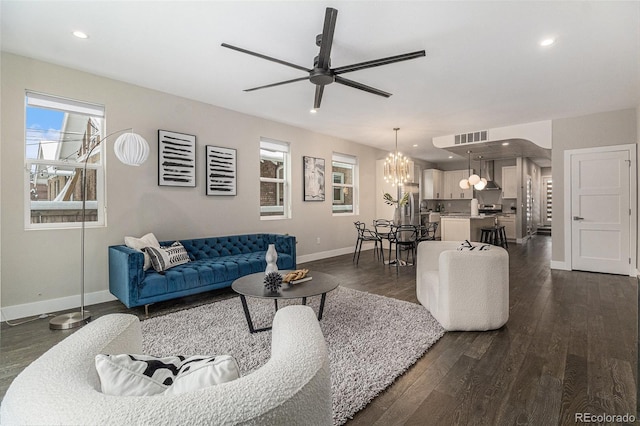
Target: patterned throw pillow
148,240
163,258
466,245
143,375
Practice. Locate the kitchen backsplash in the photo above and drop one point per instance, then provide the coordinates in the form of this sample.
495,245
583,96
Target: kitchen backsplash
464,206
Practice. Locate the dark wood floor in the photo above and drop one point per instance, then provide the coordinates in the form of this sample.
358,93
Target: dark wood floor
570,346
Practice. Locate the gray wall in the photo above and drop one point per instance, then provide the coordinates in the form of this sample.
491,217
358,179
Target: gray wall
39,265
589,131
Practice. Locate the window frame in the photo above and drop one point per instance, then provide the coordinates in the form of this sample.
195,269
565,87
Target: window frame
285,148
68,106
345,161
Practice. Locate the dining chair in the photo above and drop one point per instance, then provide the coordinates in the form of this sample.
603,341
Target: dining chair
365,234
405,237
427,231
382,228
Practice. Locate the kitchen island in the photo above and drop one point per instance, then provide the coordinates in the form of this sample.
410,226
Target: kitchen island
460,227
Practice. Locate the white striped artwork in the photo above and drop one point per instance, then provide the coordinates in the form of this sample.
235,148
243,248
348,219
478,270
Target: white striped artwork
221,170
176,159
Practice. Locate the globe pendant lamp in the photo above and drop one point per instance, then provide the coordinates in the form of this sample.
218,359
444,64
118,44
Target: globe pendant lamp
396,166
133,150
472,179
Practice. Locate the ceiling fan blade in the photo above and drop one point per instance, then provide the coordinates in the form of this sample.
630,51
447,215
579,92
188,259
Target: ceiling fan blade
268,58
361,86
318,98
277,84
329,27
378,62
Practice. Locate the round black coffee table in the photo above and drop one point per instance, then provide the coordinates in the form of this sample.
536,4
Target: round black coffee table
253,286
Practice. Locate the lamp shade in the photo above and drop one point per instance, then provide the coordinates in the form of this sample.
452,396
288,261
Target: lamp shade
480,185
464,184
131,148
473,179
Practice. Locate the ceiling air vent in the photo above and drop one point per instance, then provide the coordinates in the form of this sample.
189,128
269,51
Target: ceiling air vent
480,136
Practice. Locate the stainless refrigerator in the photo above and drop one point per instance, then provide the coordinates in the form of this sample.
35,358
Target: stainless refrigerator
410,213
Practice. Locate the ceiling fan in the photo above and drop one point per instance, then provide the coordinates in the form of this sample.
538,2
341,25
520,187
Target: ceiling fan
321,74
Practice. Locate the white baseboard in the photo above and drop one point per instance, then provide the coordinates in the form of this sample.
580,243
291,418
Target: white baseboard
556,264
331,253
53,305
70,302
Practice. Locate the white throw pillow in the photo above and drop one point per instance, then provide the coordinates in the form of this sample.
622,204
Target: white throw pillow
148,240
144,375
163,258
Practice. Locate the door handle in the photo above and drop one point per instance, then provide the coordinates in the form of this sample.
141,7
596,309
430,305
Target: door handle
578,218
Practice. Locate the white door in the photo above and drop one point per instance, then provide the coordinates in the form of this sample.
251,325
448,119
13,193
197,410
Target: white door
600,214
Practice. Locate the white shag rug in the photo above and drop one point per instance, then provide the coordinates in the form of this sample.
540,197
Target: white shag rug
371,339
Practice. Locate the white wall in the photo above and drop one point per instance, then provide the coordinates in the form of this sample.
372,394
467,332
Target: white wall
42,265
601,129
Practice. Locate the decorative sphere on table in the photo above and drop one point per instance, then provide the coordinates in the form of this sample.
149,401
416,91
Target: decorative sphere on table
272,281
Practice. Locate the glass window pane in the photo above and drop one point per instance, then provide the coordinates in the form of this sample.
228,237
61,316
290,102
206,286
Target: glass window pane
272,166
342,199
345,171
55,194
61,136
272,199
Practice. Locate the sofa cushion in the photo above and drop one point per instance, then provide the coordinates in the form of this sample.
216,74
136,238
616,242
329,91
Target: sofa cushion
208,271
163,258
148,240
144,375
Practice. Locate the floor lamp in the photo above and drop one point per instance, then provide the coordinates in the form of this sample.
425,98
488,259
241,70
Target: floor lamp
133,150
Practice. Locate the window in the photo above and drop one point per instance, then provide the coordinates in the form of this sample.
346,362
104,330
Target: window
344,180
59,135
274,180
548,201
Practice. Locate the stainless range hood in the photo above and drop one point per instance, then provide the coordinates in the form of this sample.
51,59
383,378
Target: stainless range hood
487,173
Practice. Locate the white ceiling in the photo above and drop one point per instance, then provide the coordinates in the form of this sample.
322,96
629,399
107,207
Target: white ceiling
484,67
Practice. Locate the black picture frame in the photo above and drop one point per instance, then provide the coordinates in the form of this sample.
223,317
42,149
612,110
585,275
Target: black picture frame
313,173
221,167
176,159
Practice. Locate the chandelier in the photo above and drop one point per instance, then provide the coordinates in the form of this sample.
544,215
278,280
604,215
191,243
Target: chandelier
473,180
396,166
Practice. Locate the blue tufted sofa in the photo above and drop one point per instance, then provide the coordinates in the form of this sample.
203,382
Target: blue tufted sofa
215,263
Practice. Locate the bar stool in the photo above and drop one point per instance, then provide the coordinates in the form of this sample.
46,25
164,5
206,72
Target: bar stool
494,235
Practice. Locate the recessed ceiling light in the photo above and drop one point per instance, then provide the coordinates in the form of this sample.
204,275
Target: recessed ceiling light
415,145
80,34
451,156
505,143
547,42
313,110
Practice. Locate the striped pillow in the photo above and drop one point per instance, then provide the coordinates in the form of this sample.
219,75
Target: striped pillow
163,258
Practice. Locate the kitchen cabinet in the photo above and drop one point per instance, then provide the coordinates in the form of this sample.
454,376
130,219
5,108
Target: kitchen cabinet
509,182
432,181
509,223
463,228
411,172
452,190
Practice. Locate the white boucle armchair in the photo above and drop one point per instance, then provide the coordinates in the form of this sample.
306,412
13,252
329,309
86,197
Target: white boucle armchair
463,289
62,386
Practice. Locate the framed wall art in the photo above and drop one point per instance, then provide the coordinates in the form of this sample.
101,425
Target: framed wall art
176,159
221,170
313,178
